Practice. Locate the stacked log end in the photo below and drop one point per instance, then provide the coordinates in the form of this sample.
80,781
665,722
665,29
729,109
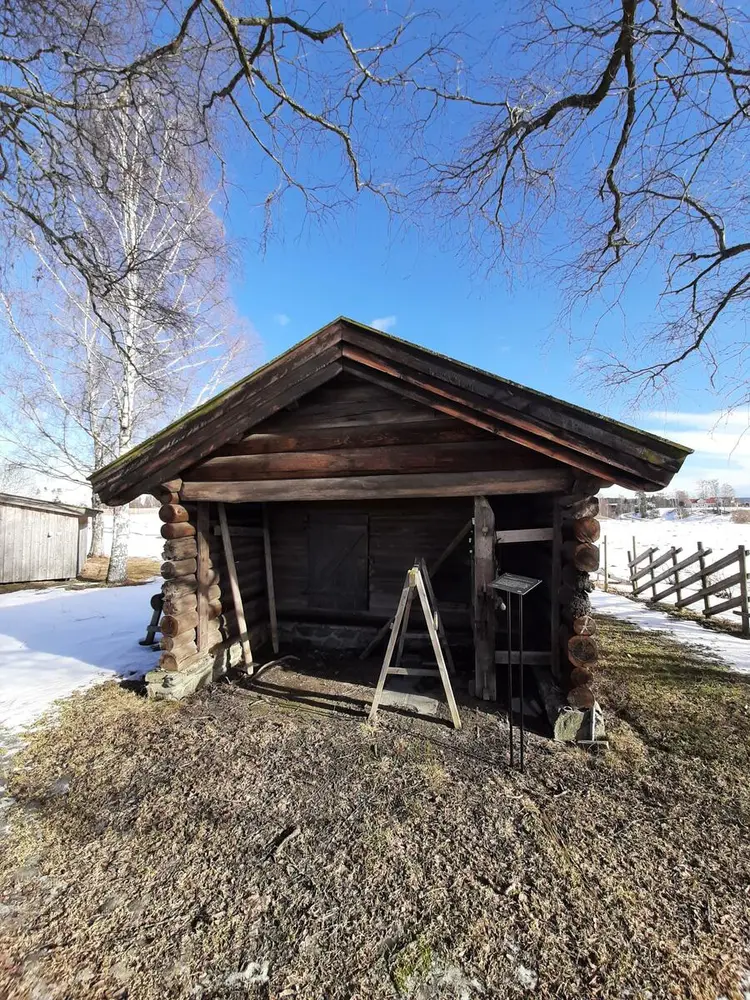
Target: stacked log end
179,570
580,556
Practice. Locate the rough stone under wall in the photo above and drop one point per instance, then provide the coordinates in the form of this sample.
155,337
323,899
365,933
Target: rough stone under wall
173,685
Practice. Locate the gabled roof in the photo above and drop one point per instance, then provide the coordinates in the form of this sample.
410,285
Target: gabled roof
595,445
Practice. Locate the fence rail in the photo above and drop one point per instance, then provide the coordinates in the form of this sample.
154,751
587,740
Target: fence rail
643,578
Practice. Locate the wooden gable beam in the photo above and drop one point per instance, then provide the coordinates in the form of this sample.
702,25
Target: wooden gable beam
603,474
172,453
561,420
439,395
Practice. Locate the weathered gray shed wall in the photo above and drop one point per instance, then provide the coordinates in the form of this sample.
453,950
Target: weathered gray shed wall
40,544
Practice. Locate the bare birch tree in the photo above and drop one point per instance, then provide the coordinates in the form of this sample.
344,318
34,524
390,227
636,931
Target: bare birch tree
92,381
610,138
295,87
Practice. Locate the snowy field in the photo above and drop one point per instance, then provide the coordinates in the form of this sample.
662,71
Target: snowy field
53,642
715,531
145,539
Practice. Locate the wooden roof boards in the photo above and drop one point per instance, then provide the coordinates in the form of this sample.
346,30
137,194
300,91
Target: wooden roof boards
585,441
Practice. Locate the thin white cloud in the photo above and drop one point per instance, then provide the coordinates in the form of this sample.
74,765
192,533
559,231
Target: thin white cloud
737,420
282,319
721,443
384,323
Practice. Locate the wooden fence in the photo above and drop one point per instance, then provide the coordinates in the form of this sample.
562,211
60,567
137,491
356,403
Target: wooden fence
666,575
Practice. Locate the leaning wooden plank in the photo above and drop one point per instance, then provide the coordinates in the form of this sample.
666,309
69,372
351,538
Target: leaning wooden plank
718,609
665,558
555,584
714,588
675,567
437,649
671,555
202,574
269,582
448,484
390,648
515,535
445,554
438,621
643,555
247,656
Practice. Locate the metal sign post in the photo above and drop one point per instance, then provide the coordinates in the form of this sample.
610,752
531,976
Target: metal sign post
511,583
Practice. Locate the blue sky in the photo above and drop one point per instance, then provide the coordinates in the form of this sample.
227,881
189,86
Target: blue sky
418,281
429,292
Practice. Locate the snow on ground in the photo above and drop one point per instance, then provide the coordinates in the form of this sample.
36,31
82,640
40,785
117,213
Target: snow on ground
145,536
733,650
55,641
715,531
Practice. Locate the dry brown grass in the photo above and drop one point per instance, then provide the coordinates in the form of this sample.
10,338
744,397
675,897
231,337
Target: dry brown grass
139,569
741,516
143,858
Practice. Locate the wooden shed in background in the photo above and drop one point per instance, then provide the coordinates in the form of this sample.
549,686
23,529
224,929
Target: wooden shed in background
41,540
295,502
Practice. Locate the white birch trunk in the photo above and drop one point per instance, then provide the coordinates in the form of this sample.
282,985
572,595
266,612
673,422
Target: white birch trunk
96,545
118,559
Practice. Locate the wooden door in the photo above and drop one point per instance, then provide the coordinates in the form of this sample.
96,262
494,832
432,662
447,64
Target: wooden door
338,561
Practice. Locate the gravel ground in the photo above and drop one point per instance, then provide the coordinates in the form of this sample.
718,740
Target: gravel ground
257,843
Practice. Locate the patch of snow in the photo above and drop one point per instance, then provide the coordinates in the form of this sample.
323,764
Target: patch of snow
734,651
254,972
145,533
526,978
717,532
53,642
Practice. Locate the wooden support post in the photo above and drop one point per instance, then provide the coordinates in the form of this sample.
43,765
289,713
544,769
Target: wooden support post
652,575
555,583
485,685
704,579
744,610
269,582
247,655
676,574
606,565
634,570
202,528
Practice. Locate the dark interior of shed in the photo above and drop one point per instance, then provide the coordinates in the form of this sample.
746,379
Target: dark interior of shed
339,567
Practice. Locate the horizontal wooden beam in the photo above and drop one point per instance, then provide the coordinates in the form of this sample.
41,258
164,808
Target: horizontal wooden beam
524,535
531,657
240,530
467,456
532,432
488,421
559,418
449,484
433,429
199,433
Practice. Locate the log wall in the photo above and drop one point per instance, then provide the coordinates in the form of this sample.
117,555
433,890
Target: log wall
181,588
580,556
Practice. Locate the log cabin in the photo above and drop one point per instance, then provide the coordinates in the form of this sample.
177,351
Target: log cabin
294,503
